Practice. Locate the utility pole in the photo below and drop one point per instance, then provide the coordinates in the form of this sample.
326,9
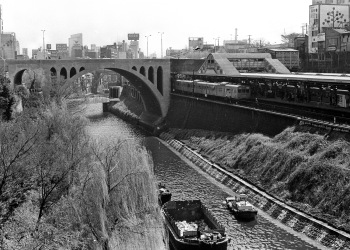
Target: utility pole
161,43
43,43
249,39
147,43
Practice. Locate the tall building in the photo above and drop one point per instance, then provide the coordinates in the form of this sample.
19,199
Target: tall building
25,51
325,14
134,47
8,45
75,42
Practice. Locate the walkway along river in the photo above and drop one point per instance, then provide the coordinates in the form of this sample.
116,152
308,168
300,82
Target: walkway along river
188,182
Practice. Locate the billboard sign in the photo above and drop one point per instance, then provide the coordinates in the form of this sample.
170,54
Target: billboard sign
48,46
321,37
134,36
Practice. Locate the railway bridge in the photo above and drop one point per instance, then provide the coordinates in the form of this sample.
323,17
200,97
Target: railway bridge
151,77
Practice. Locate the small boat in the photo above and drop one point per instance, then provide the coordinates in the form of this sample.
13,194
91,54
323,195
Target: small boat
240,207
192,226
164,194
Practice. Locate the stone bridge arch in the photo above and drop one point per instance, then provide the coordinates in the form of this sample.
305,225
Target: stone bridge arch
151,97
151,77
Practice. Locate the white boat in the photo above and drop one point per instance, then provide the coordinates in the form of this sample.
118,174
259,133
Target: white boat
241,207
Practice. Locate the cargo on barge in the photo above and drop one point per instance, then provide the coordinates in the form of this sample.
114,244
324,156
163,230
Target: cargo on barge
192,226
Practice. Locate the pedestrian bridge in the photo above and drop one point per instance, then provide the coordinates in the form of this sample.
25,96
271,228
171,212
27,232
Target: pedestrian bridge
151,77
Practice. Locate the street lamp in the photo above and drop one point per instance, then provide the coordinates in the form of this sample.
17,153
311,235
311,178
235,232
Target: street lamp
147,43
43,43
161,43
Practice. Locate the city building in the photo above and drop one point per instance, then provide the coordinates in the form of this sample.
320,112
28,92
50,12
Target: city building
134,48
133,51
34,53
8,45
109,51
75,42
235,46
24,55
324,14
335,40
287,56
25,51
195,42
94,48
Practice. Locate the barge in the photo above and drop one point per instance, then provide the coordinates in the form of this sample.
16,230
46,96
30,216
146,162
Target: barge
191,226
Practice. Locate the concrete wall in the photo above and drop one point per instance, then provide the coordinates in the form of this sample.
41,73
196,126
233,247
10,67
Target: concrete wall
190,113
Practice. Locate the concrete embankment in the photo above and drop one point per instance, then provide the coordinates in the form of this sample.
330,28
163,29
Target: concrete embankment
317,230
193,113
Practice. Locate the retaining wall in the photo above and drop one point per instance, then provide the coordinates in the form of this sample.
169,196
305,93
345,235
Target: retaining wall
316,230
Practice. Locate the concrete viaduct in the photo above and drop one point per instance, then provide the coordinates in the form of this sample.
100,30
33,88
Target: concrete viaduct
151,77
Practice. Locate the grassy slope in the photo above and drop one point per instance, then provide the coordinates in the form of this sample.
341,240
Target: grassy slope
303,169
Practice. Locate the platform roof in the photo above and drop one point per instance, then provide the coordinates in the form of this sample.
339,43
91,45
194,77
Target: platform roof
242,55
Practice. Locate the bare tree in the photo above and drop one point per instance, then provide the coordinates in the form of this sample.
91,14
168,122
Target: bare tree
288,39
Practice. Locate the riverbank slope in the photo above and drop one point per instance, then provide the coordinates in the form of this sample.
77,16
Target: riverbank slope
303,169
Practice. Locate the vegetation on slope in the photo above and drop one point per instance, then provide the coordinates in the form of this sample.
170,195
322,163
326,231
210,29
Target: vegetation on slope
303,169
61,190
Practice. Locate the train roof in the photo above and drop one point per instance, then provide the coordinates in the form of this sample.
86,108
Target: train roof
300,77
306,77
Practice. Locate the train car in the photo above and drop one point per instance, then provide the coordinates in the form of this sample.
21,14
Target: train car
343,97
243,92
212,89
183,86
200,88
233,91
221,89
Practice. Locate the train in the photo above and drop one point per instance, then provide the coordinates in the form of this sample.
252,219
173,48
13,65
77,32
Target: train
331,89
220,90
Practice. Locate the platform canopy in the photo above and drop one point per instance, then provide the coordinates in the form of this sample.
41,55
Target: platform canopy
234,63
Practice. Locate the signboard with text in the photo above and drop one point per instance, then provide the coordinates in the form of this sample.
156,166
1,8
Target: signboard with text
134,36
321,37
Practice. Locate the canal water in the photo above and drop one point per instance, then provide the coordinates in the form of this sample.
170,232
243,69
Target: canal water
187,183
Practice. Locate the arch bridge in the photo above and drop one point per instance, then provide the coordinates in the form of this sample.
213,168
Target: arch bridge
151,77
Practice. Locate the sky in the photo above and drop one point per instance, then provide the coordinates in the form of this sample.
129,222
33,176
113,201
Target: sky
104,22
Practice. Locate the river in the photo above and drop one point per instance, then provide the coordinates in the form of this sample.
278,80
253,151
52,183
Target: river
186,182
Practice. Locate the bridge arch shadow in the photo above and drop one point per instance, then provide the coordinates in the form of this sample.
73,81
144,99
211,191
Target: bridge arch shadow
18,77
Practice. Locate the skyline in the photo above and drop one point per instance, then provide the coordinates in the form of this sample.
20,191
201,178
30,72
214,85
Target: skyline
109,21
